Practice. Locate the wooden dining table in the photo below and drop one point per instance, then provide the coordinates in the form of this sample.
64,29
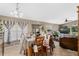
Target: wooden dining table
29,51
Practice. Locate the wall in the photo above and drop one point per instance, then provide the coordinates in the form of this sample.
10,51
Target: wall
16,29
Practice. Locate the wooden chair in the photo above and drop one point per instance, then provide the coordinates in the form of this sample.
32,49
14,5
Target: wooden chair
41,49
51,44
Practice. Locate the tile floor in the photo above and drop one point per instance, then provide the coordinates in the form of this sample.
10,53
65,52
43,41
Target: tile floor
58,51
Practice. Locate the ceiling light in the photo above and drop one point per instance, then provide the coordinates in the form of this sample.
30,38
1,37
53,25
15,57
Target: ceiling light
17,12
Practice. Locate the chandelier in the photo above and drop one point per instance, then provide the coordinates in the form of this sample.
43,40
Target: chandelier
17,12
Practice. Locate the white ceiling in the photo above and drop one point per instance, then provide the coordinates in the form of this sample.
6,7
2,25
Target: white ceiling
48,12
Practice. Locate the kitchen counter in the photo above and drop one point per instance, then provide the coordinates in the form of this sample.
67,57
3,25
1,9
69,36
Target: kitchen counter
69,43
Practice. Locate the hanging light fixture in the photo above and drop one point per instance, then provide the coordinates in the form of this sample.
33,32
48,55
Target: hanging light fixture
17,12
66,20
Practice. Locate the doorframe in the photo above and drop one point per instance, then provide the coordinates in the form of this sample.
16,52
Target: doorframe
78,27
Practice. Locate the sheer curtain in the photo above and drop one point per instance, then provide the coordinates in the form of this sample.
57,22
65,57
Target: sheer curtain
5,33
15,33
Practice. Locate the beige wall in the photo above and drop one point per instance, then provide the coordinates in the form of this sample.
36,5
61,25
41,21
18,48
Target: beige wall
53,27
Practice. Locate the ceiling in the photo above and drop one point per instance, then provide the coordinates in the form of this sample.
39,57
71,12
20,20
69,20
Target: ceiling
47,12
